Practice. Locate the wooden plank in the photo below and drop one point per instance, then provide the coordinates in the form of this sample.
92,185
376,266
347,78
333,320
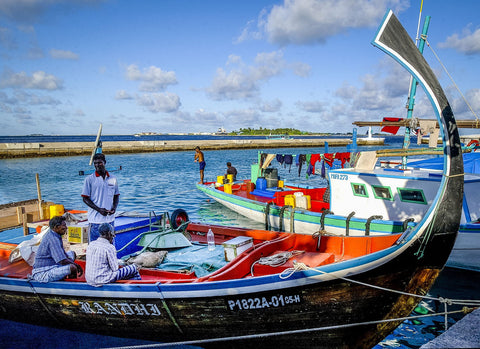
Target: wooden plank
39,194
10,216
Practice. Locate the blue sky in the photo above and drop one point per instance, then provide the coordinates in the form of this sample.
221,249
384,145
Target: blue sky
194,66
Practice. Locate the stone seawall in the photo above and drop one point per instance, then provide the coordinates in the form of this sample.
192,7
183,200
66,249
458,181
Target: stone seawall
25,150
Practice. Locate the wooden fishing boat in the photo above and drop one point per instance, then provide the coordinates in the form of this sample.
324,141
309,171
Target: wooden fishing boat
342,296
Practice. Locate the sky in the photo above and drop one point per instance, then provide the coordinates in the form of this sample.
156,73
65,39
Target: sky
175,66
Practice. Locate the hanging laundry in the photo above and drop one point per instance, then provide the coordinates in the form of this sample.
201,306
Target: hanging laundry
301,159
288,161
307,160
309,170
280,158
313,159
328,158
343,157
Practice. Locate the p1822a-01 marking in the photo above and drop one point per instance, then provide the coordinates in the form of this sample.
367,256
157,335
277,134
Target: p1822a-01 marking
262,302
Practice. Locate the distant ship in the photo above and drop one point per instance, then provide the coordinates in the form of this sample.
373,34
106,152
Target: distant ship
221,132
370,138
146,134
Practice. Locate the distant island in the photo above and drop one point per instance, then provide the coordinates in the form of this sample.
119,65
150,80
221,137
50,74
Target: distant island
269,131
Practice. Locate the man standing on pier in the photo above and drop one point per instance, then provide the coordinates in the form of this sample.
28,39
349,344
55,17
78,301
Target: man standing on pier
201,161
100,193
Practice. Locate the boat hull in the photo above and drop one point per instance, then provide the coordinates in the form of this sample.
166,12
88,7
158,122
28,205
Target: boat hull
164,312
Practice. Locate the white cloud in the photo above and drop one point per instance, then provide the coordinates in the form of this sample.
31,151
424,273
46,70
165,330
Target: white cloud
159,102
302,22
242,81
61,54
468,44
152,78
38,80
122,94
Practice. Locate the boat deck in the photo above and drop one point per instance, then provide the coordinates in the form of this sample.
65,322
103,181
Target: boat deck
278,196
298,248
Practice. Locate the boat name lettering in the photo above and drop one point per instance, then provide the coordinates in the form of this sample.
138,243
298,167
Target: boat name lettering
138,309
341,177
262,302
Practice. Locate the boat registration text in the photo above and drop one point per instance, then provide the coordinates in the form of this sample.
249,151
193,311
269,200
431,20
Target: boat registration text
262,302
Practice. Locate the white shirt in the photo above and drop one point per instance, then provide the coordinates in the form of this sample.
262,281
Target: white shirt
101,192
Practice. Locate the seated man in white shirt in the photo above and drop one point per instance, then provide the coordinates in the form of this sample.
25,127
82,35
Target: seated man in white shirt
102,264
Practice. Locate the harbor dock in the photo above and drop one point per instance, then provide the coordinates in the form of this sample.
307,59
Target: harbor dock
25,150
463,334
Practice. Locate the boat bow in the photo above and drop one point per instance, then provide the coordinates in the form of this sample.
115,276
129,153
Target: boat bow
444,215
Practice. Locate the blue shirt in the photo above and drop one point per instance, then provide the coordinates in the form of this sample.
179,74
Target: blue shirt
50,252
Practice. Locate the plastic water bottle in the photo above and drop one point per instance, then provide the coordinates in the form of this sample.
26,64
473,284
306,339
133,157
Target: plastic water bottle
211,240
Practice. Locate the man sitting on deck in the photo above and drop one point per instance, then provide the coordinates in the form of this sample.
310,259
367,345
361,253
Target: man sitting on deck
102,264
52,263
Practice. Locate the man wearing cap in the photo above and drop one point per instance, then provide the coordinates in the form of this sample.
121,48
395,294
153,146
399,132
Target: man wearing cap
52,263
100,193
102,264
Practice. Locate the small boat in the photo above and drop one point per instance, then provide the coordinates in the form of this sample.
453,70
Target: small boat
273,289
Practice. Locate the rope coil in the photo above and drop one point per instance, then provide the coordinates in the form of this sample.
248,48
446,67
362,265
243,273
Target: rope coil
276,260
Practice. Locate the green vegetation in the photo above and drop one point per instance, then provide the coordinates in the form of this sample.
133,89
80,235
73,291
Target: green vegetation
267,131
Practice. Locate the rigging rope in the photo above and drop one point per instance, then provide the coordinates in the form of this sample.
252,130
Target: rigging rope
283,333
446,301
301,266
446,71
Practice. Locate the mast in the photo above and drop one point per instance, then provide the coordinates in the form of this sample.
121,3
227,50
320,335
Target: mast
413,91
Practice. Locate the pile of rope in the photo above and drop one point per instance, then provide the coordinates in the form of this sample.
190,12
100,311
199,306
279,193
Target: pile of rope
276,260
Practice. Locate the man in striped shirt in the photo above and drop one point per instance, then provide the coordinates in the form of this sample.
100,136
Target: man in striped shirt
102,264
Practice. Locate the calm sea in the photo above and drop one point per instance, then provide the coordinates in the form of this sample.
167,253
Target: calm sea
159,182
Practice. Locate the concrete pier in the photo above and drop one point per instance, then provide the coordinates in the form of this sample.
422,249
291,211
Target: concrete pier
463,334
25,150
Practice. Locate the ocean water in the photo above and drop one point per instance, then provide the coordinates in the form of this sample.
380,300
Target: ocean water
163,182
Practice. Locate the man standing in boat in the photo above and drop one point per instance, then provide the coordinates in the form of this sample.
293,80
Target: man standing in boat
100,193
231,170
201,161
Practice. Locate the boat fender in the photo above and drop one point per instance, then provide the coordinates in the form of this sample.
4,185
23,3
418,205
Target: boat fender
178,217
